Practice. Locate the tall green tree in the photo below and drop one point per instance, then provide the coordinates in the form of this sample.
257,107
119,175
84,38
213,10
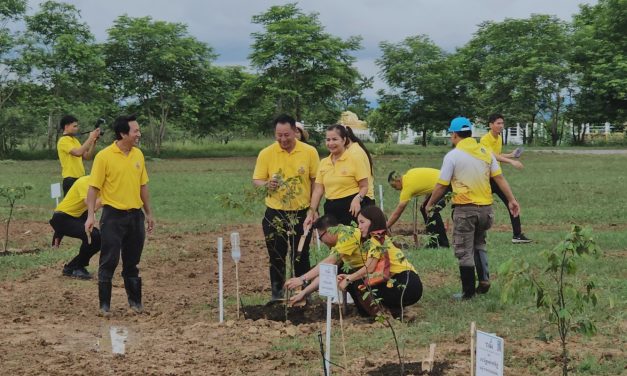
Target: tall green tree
153,67
417,70
9,74
66,63
519,67
299,64
599,60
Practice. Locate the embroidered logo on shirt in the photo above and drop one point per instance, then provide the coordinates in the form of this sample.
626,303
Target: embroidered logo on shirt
344,172
137,165
301,170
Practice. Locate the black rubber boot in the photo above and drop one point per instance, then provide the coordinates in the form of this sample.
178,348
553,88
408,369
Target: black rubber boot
483,273
277,292
467,275
133,286
104,296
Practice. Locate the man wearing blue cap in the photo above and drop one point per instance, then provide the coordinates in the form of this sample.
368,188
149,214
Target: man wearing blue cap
468,169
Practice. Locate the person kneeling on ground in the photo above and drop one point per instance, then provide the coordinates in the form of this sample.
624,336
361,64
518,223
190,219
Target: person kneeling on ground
404,287
344,242
69,220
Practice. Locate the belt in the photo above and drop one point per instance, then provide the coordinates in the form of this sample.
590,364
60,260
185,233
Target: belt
470,205
121,210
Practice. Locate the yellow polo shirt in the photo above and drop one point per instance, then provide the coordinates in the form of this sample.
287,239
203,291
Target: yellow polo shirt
71,166
74,202
348,247
493,143
358,152
417,182
300,163
340,179
119,177
398,261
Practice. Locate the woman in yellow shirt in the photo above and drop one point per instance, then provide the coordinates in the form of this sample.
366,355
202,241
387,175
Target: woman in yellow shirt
345,245
404,287
342,178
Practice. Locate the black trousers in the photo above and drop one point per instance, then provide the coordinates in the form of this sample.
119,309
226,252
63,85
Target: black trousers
516,226
122,232
67,184
435,225
340,208
280,236
66,225
406,290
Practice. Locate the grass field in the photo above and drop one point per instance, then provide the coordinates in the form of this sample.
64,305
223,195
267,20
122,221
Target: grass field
555,191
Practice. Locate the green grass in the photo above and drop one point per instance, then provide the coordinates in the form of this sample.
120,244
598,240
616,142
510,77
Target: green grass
554,190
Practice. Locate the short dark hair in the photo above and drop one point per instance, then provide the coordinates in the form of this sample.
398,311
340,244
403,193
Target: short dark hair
67,119
285,118
325,222
120,125
494,117
392,176
464,134
377,219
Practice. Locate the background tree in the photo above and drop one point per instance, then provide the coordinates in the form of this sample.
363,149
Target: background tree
299,64
519,67
417,69
599,60
66,63
154,67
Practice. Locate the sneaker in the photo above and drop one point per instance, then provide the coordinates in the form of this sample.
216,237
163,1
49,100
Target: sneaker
521,239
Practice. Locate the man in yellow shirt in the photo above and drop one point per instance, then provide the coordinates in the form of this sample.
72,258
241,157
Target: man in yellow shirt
494,141
417,182
287,169
119,175
468,169
71,153
69,220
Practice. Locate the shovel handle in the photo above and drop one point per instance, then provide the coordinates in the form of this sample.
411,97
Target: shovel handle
303,238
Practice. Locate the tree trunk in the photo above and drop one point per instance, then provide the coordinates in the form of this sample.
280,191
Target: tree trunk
554,132
50,132
533,122
424,136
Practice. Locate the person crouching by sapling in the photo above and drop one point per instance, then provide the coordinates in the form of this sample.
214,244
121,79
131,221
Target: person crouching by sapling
344,243
403,288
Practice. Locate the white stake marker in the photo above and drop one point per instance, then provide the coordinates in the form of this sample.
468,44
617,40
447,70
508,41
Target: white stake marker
55,191
381,196
220,284
236,256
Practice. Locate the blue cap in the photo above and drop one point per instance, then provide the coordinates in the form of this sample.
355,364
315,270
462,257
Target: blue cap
460,124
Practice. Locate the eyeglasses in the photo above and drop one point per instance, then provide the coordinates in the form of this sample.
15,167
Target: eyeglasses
320,235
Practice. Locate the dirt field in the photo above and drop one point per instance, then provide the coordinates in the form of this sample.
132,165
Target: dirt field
49,323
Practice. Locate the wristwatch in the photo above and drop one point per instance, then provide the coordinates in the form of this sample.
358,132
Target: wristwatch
304,280
360,197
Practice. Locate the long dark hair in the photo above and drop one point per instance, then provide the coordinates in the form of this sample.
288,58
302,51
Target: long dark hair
347,134
378,222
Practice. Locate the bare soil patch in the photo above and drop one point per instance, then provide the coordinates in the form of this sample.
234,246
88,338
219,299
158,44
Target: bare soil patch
49,323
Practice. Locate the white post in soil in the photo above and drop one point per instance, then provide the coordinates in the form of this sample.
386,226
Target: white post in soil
328,288
317,241
55,192
220,284
236,255
381,196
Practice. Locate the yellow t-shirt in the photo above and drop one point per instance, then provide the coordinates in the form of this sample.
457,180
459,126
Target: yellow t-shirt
119,177
468,169
348,247
74,202
358,152
398,261
301,163
418,181
71,166
340,179
493,143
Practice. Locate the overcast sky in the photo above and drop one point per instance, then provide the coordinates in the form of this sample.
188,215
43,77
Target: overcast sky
226,26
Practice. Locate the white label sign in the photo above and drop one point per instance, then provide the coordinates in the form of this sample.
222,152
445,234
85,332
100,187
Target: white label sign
55,190
328,280
490,349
